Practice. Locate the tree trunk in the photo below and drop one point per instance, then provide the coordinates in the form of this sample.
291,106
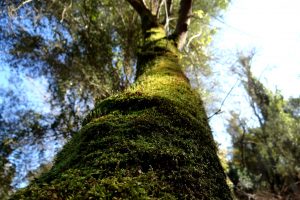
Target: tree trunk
152,141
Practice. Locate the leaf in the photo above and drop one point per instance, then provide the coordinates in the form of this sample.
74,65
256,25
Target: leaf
199,14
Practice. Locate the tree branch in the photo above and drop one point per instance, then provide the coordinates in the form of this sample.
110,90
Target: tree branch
192,38
65,10
169,5
154,4
12,10
22,4
148,20
183,22
168,12
139,6
159,8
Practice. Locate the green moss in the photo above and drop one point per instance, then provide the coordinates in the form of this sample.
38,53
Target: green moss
150,142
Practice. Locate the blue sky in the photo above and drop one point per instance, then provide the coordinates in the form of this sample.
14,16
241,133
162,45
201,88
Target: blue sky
272,28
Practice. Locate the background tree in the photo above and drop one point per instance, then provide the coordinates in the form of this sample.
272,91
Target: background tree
85,50
6,170
150,141
265,156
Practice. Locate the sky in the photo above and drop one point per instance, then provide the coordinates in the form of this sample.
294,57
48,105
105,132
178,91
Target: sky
272,28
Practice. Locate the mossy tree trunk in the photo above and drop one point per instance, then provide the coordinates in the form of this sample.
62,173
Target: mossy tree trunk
151,141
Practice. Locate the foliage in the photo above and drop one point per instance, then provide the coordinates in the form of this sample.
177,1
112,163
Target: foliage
265,156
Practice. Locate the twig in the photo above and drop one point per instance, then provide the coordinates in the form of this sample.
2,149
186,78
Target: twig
22,4
191,39
220,109
64,11
167,17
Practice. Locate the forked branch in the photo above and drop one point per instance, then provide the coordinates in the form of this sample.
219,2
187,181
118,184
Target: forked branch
148,20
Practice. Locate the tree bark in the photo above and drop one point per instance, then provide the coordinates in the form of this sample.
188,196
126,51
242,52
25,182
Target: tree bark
152,141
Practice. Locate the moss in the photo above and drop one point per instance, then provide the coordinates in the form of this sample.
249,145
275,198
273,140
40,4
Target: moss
150,142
